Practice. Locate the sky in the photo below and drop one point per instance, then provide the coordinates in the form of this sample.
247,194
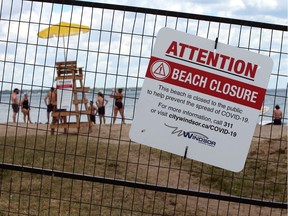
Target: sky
35,57
268,11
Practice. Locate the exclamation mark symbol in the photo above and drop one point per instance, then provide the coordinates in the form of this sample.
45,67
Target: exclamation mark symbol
160,70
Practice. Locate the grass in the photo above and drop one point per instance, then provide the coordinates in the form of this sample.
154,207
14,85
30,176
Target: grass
264,177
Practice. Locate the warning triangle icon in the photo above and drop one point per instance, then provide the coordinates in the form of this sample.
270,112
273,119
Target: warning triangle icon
160,70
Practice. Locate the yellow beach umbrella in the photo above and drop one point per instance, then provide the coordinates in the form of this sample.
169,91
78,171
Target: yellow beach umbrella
63,29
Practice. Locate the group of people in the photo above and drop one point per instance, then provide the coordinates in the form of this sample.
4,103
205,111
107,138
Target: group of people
24,104
100,107
51,103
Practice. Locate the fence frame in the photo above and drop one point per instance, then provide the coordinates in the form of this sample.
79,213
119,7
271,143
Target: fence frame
137,184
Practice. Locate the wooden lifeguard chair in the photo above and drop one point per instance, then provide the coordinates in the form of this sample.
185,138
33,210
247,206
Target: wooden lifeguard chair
68,70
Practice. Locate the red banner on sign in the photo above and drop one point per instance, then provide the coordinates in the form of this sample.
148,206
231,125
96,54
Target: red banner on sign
64,86
206,82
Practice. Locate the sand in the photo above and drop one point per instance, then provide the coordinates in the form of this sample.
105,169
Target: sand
120,131
271,139
119,134
274,132
113,132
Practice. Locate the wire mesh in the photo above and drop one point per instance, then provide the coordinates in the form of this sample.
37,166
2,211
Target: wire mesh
97,170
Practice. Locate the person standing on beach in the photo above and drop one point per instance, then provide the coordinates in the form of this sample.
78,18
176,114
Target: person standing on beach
101,103
51,102
118,96
277,115
26,108
92,111
15,103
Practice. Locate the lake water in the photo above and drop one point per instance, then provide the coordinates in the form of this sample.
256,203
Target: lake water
38,107
39,110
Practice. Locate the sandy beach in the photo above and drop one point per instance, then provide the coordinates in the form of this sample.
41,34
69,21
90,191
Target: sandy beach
121,131
269,142
274,132
271,138
113,132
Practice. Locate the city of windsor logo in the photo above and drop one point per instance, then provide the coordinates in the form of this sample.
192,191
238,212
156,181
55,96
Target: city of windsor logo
160,70
192,135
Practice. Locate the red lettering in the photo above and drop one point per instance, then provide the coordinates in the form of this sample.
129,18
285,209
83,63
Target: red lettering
172,48
202,56
212,59
193,49
239,66
223,62
231,64
182,50
251,70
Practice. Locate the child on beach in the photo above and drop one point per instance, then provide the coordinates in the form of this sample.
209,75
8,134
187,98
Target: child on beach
101,103
92,112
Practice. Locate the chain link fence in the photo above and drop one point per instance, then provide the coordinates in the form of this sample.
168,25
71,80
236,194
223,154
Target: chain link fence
98,170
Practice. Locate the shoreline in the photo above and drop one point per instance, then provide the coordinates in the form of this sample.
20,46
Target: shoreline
271,131
18,129
104,133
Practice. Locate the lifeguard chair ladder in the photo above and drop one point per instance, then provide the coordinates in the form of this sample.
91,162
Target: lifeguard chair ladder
68,70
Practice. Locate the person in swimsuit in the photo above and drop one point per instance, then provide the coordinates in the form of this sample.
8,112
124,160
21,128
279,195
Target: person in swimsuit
277,115
25,108
51,102
101,103
15,103
118,96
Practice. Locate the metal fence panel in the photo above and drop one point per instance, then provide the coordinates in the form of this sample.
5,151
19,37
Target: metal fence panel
100,171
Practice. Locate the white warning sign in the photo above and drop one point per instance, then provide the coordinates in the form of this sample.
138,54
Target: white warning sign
201,103
64,94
